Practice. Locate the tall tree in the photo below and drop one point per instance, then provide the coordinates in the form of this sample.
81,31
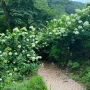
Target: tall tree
24,13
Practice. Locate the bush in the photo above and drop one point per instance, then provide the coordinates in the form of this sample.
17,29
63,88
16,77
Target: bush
36,83
17,54
68,38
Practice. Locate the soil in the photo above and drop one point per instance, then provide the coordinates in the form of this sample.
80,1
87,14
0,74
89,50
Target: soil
56,80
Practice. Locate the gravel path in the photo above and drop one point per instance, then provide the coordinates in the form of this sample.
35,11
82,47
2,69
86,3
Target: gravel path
56,80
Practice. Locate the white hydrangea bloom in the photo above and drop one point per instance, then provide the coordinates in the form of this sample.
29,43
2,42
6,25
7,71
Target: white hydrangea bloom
15,69
3,40
76,32
75,15
36,42
50,33
78,17
75,29
40,57
10,53
24,28
69,23
83,10
82,30
37,58
86,23
33,36
73,20
23,51
79,21
10,74
54,20
27,39
19,46
2,34
4,53
33,58
15,53
5,61
62,30
79,27
33,44
0,79
0,51
54,30
28,55
64,15
31,27
72,14
67,18
16,29
78,10
14,62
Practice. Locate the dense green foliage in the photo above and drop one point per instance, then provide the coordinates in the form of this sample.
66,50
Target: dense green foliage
65,40
34,12
35,83
64,6
25,13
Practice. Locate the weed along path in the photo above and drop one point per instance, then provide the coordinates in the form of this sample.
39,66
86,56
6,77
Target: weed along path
56,80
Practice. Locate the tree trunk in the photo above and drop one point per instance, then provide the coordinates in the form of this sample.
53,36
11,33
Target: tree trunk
7,14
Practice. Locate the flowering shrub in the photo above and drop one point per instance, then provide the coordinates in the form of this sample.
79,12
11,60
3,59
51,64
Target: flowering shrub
68,37
17,52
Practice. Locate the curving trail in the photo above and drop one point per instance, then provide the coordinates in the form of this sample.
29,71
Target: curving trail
56,80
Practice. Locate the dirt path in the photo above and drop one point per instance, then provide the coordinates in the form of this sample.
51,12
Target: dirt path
56,80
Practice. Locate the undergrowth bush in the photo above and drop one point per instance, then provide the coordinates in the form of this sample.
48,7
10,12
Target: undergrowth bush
36,83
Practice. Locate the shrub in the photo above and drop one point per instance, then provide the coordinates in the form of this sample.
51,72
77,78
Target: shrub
67,38
17,53
36,83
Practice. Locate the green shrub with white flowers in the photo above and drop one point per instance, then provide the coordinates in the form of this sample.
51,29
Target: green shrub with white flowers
17,53
68,39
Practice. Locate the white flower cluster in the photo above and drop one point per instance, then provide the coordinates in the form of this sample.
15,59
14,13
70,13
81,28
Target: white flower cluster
67,18
86,23
31,27
79,21
75,31
10,53
54,20
16,29
0,79
80,27
24,28
19,46
62,30
78,10
36,58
